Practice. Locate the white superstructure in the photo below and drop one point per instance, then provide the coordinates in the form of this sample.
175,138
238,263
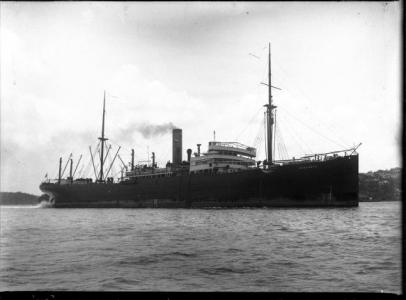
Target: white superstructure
224,157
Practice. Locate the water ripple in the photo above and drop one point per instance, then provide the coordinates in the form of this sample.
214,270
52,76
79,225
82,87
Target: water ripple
342,250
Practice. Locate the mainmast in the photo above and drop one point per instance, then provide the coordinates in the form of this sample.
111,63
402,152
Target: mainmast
102,139
269,111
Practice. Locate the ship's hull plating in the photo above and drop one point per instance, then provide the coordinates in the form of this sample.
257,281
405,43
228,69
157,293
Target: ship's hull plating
308,184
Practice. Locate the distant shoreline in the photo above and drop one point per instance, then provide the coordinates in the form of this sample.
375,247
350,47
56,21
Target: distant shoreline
18,198
18,205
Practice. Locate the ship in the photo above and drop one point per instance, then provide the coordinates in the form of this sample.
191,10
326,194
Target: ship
227,175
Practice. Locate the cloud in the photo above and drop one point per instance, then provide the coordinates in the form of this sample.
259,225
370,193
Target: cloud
148,101
188,64
23,165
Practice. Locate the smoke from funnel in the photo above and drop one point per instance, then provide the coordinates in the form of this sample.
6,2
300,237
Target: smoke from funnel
147,130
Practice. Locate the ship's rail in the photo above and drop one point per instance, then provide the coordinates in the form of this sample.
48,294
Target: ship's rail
212,157
320,156
50,181
233,147
157,174
145,171
89,180
68,181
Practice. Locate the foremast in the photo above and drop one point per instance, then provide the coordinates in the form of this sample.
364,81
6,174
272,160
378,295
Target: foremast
102,140
269,112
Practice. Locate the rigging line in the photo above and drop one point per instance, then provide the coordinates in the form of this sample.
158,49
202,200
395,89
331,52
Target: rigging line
249,122
113,168
298,137
55,171
284,76
266,149
278,144
280,154
258,135
285,151
258,138
259,148
254,55
274,139
282,141
304,96
96,149
106,165
302,142
118,99
98,163
87,169
259,143
313,129
113,142
293,134
98,173
280,151
85,166
94,169
317,117
332,128
67,161
277,153
80,171
288,76
113,164
111,95
93,154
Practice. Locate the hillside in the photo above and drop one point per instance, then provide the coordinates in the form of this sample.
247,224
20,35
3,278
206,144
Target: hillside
18,198
381,185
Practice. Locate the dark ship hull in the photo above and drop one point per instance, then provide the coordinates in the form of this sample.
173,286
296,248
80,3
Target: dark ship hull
325,183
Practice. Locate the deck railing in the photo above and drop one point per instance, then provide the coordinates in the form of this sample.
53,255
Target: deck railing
320,156
233,146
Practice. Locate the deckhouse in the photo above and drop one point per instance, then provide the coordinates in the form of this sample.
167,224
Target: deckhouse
224,157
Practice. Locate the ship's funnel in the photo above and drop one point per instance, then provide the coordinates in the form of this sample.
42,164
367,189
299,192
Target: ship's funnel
132,159
153,159
189,154
177,146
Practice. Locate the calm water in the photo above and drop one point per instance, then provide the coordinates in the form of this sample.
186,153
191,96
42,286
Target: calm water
297,250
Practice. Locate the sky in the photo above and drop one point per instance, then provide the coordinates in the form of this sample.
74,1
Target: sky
197,66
